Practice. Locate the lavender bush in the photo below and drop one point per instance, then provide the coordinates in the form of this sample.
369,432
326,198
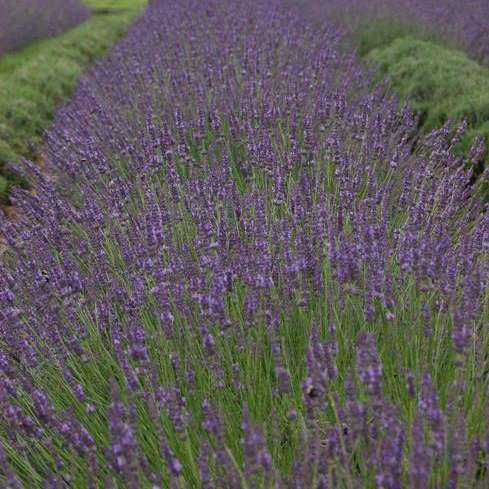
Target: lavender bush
22,21
236,273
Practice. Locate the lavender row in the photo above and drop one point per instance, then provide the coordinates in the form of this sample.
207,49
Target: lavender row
464,25
22,21
235,272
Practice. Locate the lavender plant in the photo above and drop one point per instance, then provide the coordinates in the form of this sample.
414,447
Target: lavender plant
22,21
236,273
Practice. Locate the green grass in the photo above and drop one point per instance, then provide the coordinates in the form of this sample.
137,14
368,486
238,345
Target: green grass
441,84
35,80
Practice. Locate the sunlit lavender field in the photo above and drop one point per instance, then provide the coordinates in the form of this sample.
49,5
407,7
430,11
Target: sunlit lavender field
243,268
22,21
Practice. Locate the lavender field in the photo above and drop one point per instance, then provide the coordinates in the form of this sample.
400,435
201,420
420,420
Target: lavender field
22,21
242,267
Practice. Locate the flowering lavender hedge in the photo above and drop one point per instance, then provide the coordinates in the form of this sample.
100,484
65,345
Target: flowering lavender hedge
462,23
22,21
237,274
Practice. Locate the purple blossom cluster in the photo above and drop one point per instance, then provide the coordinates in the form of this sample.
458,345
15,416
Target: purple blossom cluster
235,272
22,21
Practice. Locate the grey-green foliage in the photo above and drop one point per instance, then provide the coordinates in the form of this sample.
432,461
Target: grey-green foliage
441,83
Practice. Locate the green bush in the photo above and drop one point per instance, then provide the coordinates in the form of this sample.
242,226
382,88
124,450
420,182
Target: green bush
441,83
